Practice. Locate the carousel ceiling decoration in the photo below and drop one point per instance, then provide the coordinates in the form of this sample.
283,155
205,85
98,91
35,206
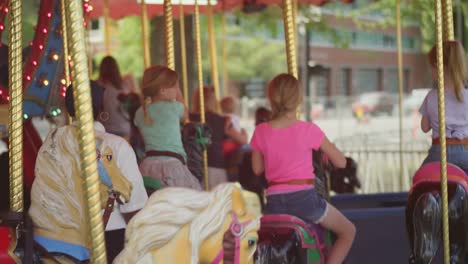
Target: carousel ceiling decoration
121,8
43,73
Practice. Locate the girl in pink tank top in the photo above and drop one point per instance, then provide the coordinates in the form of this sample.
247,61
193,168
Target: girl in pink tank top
282,148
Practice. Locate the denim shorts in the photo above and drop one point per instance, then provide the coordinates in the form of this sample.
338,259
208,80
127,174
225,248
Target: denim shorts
308,205
456,154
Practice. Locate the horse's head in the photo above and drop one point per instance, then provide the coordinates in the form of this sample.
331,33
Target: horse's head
187,226
236,242
109,173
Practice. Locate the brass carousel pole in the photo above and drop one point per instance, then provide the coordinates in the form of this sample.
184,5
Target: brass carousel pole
291,52
144,34
212,47
15,129
66,65
65,36
198,57
183,54
295,12
225,72
400,89
107,27
442,137
447,17
84,116
169,34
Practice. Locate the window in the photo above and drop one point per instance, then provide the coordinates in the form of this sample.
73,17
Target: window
344,81
389,42
94,24
408,43
366,80
391,80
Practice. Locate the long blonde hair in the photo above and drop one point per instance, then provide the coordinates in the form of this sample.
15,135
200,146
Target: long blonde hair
285,94
169,210
156,78
454,65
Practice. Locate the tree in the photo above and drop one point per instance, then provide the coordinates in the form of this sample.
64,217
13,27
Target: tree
254,46
420,12
30,12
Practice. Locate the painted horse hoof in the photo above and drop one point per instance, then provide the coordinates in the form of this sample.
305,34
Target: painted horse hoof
427,227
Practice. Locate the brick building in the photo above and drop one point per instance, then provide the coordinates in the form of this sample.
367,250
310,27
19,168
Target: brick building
368,63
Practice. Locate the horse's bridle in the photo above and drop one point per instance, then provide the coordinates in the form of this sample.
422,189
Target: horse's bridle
237,229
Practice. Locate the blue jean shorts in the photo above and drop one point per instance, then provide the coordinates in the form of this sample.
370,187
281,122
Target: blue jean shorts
308,205
456,154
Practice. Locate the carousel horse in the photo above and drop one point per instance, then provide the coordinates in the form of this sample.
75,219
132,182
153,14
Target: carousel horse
424,214
288,239
180,225
57,200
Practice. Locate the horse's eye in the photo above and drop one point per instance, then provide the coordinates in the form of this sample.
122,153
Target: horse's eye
109,157
252,242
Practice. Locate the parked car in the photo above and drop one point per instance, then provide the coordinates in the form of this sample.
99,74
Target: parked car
412,102
374,103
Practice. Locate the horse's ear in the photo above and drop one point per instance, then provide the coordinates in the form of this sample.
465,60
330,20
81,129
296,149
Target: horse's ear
238,202
98,143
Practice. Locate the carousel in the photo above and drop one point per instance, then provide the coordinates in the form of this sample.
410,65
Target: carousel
177,225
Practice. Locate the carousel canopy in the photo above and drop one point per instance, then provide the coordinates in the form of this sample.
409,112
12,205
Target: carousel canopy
122,8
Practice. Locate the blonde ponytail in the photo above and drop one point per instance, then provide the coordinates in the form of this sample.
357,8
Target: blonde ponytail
454,65
146,103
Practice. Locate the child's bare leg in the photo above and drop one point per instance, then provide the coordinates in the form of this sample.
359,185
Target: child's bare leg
344,230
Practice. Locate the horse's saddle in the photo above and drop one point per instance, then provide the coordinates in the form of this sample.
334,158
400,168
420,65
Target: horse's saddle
291,240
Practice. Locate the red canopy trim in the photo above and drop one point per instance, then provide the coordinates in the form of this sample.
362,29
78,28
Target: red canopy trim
121,8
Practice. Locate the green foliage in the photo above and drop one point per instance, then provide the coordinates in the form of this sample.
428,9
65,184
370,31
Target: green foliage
254,45
130,51
413,12
30,12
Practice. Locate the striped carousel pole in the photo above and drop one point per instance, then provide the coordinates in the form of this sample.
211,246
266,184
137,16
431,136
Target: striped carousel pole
447,18
107,27
169,34
291,52
224,62
198,57
213,53
144,34
183,53
87,144
15,126
400,90
442,136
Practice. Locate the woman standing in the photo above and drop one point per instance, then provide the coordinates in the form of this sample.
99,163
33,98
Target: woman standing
114,118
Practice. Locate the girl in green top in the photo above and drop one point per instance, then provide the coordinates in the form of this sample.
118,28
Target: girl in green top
159,124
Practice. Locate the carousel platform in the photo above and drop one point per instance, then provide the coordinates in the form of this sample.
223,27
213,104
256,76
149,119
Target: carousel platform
380,222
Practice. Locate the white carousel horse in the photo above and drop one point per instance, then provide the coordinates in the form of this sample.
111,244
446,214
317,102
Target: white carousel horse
180,225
